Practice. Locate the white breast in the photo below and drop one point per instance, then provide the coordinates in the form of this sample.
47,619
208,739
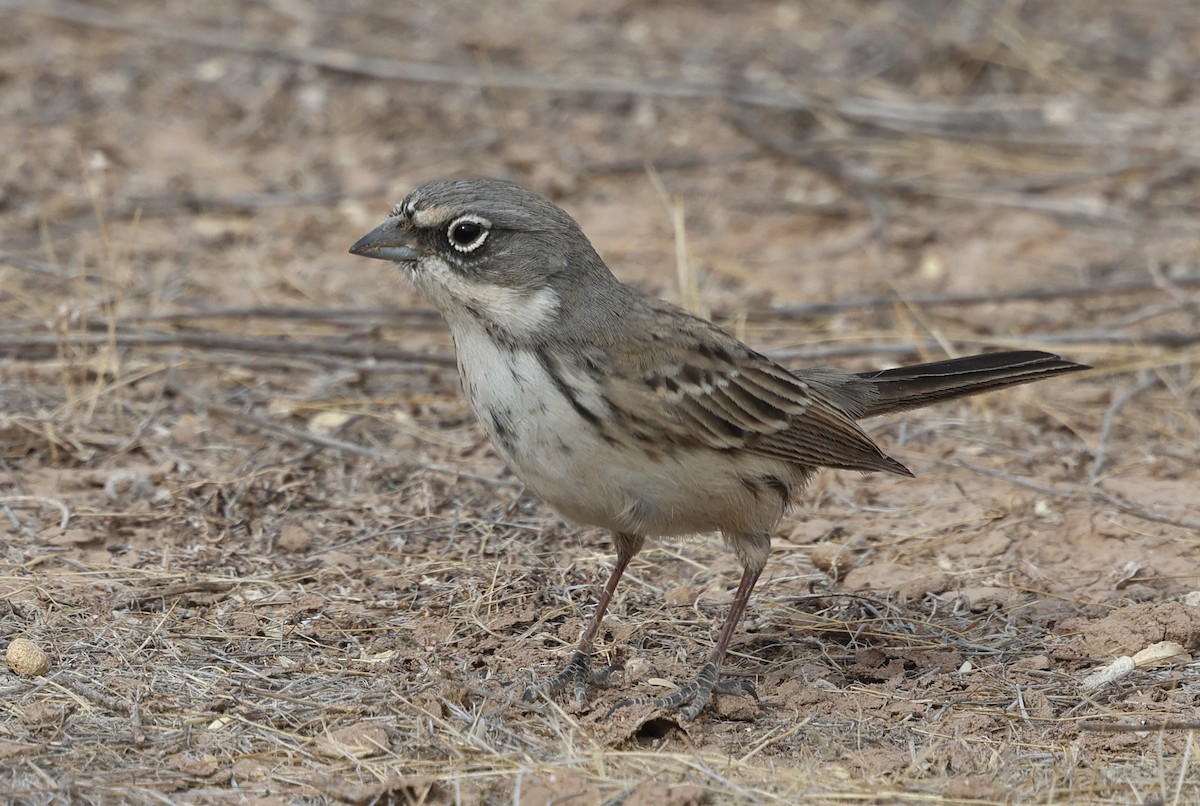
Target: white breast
564,460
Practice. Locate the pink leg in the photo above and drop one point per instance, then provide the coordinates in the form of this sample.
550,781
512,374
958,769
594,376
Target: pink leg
578,671
695,695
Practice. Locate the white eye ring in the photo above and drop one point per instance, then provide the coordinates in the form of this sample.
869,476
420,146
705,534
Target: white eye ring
467,233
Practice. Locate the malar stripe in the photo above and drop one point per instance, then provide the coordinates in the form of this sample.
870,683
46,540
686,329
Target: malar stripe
565,390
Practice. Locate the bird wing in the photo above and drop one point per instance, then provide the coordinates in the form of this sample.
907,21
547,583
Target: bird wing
701,387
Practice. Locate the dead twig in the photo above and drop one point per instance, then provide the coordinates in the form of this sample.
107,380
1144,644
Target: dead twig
928,300
1146,380
14,343
288,313
1136,727
10,501
391,459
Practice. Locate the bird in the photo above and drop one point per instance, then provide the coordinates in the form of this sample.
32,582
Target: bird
623,411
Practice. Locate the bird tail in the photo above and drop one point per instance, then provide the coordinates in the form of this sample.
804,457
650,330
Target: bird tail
922,384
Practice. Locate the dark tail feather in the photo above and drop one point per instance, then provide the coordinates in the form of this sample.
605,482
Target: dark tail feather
922,384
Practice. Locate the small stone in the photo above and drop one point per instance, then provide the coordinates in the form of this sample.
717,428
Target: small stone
294,538
1033,662
830,560
124,486
681,595
360,740
638,668
27,658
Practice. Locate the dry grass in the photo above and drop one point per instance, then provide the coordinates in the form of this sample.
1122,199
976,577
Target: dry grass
272,559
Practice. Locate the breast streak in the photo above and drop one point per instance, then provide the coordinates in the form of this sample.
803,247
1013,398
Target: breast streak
565,461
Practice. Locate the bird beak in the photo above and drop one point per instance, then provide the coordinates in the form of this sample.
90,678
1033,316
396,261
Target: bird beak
387,242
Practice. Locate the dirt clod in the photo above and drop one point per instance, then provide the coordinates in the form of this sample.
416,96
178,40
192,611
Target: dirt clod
27,658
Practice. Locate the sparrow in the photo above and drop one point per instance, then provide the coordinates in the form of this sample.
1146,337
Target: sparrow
625,412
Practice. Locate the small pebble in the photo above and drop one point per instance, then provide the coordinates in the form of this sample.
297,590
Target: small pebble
638,668
27,658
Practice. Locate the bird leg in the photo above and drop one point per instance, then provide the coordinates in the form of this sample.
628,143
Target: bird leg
578,671
695,695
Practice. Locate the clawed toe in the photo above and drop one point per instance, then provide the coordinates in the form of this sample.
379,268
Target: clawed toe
577,674
691,698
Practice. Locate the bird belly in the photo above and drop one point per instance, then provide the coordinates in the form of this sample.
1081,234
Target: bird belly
665,495
624,486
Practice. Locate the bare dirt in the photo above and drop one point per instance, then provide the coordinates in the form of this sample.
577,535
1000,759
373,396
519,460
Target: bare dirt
271,558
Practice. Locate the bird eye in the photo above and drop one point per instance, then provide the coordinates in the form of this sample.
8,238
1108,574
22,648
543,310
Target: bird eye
468,233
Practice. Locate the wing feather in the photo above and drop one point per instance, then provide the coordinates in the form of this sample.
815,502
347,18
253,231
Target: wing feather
706,389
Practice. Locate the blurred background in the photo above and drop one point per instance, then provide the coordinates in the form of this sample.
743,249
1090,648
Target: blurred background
816,150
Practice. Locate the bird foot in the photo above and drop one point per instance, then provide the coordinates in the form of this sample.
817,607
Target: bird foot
577,674
691,698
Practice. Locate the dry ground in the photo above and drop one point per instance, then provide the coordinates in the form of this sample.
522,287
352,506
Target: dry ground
272,559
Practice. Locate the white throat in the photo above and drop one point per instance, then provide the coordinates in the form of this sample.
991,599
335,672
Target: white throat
519,312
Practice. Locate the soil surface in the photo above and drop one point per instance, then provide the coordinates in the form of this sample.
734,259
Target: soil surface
270,557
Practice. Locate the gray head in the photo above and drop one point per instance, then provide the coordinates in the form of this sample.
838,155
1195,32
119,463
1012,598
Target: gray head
488,250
